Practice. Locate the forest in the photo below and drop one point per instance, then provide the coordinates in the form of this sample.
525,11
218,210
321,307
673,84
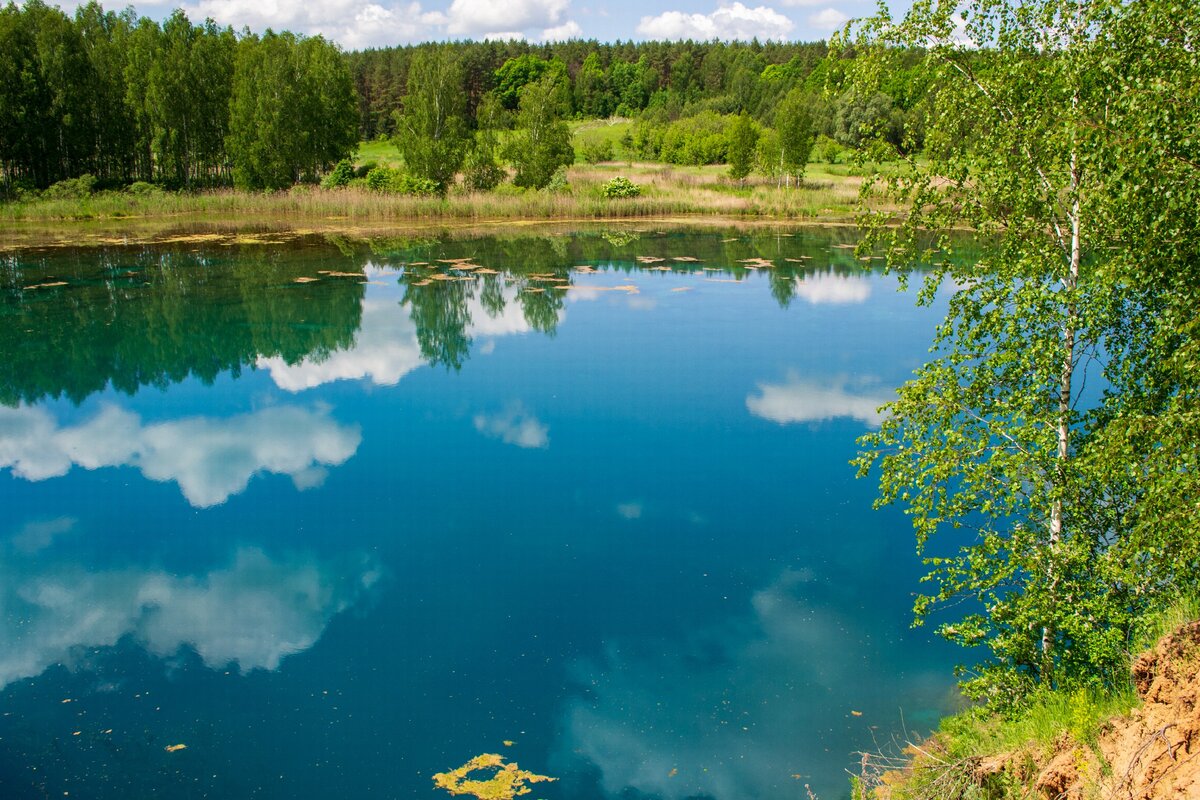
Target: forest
109,100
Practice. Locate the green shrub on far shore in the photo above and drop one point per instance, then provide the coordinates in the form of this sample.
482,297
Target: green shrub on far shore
393,181
621,187
71,188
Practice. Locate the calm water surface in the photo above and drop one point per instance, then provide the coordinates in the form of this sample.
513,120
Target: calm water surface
337,535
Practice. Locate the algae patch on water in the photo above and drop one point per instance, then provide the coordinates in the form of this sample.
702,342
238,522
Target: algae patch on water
506,782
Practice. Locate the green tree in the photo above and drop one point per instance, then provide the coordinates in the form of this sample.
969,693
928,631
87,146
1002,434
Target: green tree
515,74
432,133
542,142
482,172
743,139
994,444
794,122
292,111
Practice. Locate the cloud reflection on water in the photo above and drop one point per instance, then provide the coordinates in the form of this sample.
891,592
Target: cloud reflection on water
829,288
252,612
798,400
386,347
209,458
741,707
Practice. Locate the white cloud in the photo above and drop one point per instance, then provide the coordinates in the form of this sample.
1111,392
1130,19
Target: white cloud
561,33
828,20
738,708
475,17
810,401
514,426
210,458
828,288
252,613
734,21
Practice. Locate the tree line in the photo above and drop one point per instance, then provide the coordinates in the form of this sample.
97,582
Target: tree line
127,99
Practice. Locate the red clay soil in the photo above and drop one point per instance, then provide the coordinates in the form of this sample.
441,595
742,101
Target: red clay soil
1154,752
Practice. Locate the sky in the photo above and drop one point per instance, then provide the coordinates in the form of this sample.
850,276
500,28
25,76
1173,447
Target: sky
358,24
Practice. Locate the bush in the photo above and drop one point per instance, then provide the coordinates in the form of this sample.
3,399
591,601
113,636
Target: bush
595,152
394,181
72,188
339,176
621,187
143,188
363,169
481,173
827,150
558,181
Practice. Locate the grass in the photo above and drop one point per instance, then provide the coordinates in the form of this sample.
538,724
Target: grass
598,131
668,191
944,766
380,151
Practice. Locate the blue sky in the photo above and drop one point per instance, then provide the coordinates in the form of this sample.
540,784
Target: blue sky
377,23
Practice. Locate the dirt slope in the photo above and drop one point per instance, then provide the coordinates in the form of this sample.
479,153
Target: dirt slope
1154,752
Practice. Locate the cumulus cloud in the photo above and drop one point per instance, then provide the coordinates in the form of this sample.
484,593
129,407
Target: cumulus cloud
209,458
561,33
797,400
829,288
734,21
351,23
251,613
514,425
738,708
828,20
476,17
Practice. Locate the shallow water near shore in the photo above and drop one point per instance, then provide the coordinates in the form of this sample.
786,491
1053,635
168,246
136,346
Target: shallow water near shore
340,514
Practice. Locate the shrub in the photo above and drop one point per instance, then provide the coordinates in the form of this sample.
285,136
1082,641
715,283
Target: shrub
558,181
827,150
481,173
621,187
394,181
339,176
143,188
72,188
595,152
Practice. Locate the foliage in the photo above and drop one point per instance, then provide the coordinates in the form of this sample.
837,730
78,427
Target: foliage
143,189
595,152
542,142
291,110
339,176
517,73
71,188
621,187
558,181
394,181
507,780
432,134
743,138
1044,140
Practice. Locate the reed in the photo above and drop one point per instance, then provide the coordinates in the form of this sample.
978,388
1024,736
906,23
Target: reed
667,191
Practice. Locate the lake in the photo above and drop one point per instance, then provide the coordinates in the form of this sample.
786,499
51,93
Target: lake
337,515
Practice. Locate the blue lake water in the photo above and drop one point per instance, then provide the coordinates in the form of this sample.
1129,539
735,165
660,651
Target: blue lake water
338,515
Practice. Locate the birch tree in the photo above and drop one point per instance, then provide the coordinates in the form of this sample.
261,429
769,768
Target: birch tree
993,445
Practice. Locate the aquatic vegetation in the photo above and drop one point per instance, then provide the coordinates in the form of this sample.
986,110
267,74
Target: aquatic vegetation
507,781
